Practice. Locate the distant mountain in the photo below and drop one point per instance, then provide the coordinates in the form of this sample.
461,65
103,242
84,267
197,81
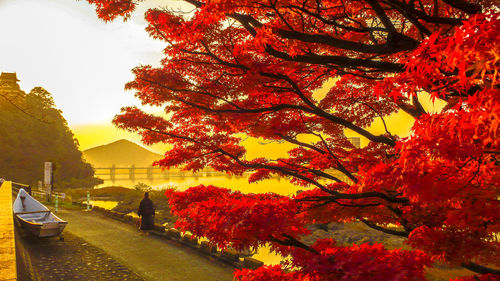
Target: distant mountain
122,153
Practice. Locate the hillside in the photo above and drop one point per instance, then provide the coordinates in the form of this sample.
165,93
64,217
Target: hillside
33,131
122,153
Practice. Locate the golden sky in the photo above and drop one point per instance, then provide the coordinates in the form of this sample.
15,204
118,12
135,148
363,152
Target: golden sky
63,47
84,63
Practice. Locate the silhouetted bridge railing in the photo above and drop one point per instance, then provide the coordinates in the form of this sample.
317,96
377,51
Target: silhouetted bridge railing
132,173
150,173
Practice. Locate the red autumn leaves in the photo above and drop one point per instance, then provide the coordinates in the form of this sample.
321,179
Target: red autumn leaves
234,69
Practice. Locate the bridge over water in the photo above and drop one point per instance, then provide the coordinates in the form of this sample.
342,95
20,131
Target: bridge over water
150,173
132,173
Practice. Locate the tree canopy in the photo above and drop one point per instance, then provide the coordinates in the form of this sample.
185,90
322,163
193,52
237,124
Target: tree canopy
251,68
33,131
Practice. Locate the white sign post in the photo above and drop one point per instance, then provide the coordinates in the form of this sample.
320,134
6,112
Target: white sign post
47,179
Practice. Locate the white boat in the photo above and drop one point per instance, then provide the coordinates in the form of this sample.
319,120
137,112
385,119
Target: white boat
35,217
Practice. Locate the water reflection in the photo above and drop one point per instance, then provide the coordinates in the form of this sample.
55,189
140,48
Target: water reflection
103,204
276,185
265,255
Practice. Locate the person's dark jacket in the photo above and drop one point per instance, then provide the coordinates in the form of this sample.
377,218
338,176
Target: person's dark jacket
146,212
146,207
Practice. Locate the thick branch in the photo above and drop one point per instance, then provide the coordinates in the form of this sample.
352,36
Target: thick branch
340,167
480,269
348,45
382,16
237,109
415,110
325,200
337,60
320,112
248,22
383,229
290,241
314,110
337,195
410,10
314,171
465,6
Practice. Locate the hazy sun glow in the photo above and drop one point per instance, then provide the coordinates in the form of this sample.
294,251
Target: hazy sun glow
63,47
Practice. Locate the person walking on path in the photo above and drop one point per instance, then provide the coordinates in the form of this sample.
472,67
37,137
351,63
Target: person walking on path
146,212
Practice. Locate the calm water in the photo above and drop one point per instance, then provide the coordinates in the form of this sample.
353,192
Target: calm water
103,204
276,185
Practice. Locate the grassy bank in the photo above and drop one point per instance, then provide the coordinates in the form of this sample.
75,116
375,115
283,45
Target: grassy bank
128,200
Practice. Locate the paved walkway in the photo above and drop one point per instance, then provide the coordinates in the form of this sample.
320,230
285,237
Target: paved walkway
150,257
74,259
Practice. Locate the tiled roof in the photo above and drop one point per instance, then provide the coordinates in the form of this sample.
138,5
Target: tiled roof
8,76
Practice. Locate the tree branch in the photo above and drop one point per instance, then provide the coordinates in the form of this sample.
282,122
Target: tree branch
290,241
480,269
385,230
465,6
337,195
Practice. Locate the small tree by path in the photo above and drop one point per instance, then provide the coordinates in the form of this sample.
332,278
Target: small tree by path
234,69
140,186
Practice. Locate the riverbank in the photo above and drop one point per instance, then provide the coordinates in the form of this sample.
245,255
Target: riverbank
125,200
345,234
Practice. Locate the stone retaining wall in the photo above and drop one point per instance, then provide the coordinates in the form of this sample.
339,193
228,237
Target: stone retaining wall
7,243
227,256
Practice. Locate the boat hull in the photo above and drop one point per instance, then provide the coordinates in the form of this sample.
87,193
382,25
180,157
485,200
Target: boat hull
48,229
35,217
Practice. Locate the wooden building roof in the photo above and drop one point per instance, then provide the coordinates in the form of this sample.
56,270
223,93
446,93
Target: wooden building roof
7,76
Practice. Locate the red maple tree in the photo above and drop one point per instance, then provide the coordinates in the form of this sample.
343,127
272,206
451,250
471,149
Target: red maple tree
251,68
